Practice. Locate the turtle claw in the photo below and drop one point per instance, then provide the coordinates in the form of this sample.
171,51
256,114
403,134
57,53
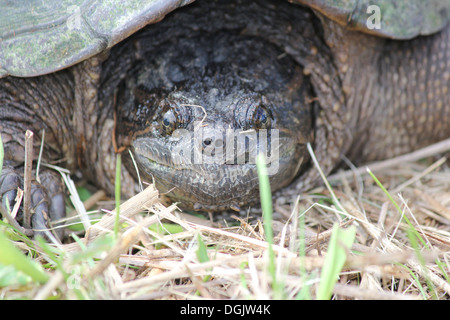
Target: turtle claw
46,201
55,190
9,181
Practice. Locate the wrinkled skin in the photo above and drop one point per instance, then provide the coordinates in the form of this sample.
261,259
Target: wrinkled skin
203,89
214,66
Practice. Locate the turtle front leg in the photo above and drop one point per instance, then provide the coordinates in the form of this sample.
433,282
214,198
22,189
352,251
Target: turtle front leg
47,204
36,104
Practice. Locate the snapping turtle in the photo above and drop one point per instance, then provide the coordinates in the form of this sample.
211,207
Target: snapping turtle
196,96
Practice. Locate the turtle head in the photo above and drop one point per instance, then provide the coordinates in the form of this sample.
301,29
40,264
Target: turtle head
195,122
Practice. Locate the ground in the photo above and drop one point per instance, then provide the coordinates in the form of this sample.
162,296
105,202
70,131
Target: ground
400,249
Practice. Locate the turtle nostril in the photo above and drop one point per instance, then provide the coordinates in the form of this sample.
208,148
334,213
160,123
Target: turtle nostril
210,142
218,143
207,141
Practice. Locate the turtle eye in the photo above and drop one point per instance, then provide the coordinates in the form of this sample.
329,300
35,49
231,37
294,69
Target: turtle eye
261,118
169,121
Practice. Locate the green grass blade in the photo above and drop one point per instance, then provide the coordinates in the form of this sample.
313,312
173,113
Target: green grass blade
202,252
117,194
2,154
304,293
163,228
324,179
412,233
416,280
10,255
243,280
408,222
94,249
10,276
202,256
340,242
266,205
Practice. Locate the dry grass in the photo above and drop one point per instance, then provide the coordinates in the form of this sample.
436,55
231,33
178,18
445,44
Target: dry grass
160,263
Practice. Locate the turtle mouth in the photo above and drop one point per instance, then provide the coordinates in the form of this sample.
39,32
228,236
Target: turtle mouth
212,184
204,187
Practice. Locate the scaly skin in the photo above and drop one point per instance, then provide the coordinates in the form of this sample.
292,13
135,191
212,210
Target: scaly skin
347,93
167,93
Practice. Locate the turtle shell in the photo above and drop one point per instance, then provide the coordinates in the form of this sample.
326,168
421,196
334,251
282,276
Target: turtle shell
399,19
39,37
